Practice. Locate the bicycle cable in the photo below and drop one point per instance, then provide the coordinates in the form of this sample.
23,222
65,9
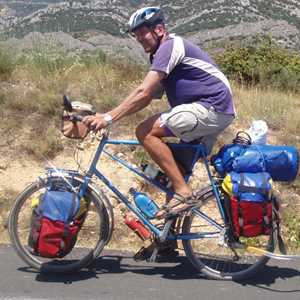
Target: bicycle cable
81,147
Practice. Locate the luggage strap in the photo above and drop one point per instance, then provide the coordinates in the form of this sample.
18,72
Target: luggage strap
242,188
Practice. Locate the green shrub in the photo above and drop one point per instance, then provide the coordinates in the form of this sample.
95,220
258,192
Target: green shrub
49,63
50,105
7,64
97,58
265,64
46,56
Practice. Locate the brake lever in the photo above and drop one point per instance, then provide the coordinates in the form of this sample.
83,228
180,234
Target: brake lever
75,118
67,104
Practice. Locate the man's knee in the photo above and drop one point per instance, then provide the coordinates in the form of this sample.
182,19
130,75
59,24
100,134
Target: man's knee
141,132
149,128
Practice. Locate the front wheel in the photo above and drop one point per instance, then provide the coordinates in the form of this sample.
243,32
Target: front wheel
209,252
90,241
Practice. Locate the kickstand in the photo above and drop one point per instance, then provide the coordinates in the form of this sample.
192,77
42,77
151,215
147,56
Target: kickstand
162,238
153,255
236,257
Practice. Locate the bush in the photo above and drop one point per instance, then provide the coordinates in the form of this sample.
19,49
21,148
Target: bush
265,64
97,58
46,62
7,63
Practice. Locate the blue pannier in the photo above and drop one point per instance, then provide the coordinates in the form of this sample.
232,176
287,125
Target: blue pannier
253,187
59,205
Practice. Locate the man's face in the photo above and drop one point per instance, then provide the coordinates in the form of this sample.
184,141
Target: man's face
146,38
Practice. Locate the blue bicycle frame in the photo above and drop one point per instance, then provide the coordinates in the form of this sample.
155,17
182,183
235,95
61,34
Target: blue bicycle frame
200,151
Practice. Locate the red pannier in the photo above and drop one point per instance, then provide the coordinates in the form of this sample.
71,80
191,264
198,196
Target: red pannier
55,224
249,203
249,218
54,238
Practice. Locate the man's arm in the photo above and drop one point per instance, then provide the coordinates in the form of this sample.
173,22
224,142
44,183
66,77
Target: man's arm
136,101
140,97
159,92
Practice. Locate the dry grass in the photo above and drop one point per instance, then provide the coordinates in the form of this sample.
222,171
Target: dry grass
33,95
275,107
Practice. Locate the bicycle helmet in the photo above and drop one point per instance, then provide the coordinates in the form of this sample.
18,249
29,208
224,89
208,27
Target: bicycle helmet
147,16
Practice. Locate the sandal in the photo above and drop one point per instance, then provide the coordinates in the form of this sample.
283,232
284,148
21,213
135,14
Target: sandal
177,204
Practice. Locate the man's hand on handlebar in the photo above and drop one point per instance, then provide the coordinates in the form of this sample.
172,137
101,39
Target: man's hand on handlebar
95,122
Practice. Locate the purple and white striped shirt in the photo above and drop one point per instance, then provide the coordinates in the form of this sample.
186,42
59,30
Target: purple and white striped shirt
192,76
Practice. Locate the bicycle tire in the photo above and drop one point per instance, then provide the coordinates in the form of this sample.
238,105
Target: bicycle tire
221,265
71,262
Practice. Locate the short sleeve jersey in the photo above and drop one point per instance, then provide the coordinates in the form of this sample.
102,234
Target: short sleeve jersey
192,76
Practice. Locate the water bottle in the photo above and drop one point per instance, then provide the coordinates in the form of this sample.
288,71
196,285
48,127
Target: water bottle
147,206
133,223
154,173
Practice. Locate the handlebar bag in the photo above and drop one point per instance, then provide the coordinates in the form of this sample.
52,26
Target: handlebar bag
71,127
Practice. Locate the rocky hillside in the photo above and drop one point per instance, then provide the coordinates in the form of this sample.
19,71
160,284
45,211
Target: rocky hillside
101,24
210,21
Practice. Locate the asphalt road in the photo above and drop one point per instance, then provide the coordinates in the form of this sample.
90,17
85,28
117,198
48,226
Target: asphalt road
116,276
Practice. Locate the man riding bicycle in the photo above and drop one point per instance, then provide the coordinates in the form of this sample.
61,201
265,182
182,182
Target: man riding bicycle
199,95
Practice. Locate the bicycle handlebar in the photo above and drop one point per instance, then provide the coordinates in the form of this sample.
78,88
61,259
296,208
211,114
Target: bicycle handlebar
67,103
76,118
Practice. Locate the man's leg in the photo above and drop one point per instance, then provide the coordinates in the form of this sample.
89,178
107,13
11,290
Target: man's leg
150,134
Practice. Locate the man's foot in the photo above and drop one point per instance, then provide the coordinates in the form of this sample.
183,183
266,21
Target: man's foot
177,204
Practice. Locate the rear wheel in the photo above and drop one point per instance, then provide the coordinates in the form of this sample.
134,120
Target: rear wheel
90,241
211,254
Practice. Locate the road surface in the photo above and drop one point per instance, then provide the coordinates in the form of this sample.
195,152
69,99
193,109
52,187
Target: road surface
116,276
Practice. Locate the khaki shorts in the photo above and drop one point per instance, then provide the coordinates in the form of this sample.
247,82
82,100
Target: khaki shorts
193,121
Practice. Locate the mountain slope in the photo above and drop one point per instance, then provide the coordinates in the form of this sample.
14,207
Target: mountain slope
189,17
